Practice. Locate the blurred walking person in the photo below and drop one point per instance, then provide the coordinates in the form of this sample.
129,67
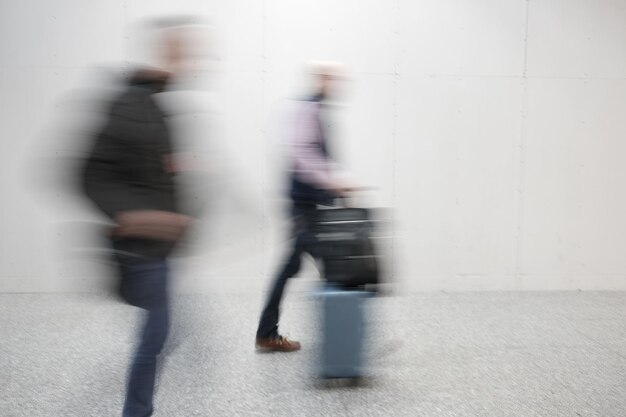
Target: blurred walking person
314,181
129,176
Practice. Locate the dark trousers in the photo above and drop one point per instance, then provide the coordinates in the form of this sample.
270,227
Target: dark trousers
144,284
304,242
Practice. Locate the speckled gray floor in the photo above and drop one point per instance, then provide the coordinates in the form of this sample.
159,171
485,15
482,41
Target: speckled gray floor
467,354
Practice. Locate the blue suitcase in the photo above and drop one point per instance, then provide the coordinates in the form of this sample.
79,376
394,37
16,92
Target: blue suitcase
343,333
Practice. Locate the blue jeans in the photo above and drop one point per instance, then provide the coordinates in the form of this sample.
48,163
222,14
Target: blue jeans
144,284
304,242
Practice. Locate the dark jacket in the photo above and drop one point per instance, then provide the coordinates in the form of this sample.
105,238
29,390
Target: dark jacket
127,166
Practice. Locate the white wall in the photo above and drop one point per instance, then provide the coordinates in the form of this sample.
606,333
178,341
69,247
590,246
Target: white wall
494,128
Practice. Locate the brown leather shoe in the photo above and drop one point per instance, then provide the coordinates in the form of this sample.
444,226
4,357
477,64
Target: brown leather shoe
277,344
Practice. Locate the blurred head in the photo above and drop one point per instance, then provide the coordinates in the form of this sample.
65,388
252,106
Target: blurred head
176,44
327,77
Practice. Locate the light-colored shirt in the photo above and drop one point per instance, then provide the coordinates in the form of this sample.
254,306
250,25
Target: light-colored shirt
310,164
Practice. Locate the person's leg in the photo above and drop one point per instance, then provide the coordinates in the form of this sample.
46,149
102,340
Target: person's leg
145,285
268,324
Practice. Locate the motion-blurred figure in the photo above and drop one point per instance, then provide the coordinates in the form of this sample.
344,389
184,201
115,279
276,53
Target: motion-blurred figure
314,181
129,176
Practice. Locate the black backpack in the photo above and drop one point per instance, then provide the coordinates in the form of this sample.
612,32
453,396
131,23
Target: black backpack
344,237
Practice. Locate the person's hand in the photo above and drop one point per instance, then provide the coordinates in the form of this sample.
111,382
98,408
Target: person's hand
343,189
152,224
340,191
